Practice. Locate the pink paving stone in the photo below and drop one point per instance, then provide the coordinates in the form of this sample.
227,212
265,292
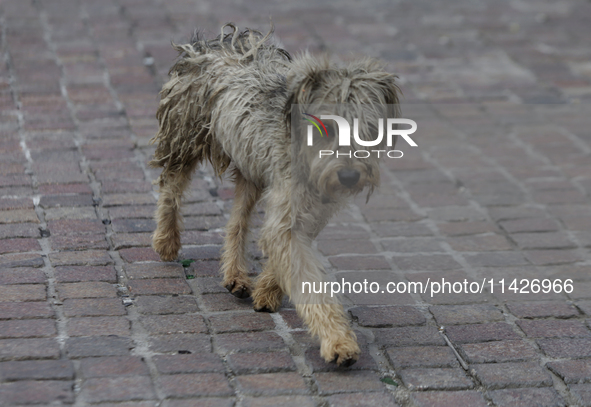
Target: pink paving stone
113,366
22,275
449,399
81,258
159,286
195,384
24,292
172,324
90,289
557,309
554,328
139,254
498,351
19,245
272,384
24,310
36,392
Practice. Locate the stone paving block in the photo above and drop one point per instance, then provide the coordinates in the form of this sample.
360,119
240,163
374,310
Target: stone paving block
195,384
498,351
241,322
565,347
98,346
170,286
100,389
359,263
36,392
91,289
553,328
549,257
422,356
572,371
93,307
434,262
225,302
173,324
545,309
496,259
465,314
139,254
81,242
19,230
162,305
271,384
479,243
200,402
502,375
154,270
284,401
19,245
97,326
259,362
31,328
382,317
81,258
543,397
18,215
249,341
21,260
361,400
449,398
187,363
113,366
25,310
185,343
37,370
348,382
435,379
73,274
23,292
480,332
409,336
29,348
581,393
128,240
529,225
22,275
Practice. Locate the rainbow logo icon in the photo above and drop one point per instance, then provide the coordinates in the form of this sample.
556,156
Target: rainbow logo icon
316,125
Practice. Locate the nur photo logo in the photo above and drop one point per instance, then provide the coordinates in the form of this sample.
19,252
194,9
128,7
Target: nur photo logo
392,130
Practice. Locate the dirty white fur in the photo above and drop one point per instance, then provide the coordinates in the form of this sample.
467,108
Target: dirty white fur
229,101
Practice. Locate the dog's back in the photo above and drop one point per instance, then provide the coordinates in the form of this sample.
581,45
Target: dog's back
205,70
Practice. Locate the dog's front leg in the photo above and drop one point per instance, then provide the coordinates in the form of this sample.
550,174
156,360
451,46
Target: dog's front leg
295,264
323,314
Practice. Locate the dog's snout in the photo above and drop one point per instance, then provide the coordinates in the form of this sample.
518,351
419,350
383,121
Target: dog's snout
348,177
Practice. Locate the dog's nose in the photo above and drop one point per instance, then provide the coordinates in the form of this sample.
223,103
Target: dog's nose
348,177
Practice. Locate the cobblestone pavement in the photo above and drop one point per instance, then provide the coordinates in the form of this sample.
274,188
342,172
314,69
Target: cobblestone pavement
499,187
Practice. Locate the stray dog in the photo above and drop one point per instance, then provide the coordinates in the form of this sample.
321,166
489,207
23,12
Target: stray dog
229,101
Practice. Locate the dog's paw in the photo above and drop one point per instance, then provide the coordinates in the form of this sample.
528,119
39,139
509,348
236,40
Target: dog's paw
266,301
238,289
167,247
344,352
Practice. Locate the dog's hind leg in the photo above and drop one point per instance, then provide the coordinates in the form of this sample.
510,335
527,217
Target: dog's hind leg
234,263
166,240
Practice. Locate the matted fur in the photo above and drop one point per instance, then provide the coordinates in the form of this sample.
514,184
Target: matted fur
228,101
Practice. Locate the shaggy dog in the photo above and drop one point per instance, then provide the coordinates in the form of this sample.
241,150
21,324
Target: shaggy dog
240,103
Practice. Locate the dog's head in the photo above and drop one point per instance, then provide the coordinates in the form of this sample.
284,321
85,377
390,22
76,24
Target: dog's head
336,116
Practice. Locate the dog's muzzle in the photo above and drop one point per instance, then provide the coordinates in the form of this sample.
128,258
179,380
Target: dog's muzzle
348,177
